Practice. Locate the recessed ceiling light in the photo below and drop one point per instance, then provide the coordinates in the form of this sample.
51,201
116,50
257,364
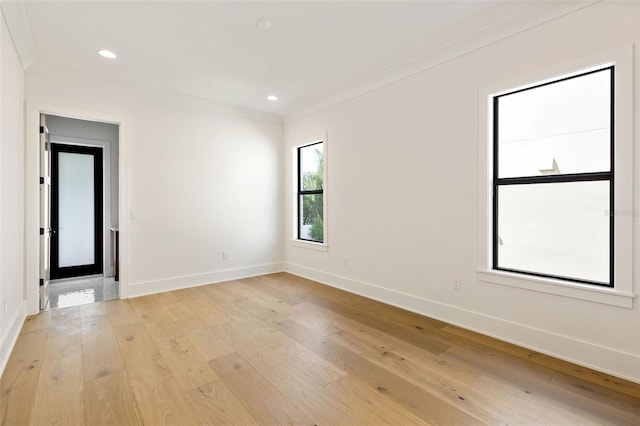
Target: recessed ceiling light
107,54
263,24
272,97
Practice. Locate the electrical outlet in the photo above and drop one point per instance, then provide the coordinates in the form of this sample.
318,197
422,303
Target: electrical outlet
457,283
134,215
346,261
4,306
225,255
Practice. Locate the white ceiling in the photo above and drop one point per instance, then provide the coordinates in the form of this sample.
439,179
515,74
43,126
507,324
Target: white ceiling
213,49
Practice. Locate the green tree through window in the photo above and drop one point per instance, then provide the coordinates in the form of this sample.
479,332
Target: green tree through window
310,194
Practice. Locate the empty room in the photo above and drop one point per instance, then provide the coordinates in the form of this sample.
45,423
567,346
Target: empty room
319,212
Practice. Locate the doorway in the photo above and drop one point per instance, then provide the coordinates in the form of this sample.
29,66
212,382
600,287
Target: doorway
82,211
76,211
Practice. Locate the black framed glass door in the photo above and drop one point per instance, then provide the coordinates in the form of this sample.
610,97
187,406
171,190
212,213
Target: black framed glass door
76,211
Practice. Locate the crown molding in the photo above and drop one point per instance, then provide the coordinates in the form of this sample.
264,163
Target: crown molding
16,18
525,20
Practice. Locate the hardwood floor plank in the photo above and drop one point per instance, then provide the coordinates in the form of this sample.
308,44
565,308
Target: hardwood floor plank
59,398
515,382
188,367
188,293
63,345
100,355
262,285
19,381
164,298
270,338
109,400
597,393
120,312
419,402
200,304
293,382
215,404
280,349
177,311
161,402
265,403
159,326
214,316
139,353
413,336
206,341
413,370
331,324
95,324
36,322
372,407
144,305
220,293
287,283
583,373
316,367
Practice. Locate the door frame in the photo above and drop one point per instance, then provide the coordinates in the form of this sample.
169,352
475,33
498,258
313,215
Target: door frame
98,211
108,218
32,194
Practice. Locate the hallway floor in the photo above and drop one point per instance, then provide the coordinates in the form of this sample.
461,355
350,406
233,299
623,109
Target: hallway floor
80,291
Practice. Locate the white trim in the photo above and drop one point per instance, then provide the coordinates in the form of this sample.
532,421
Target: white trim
11,337
18,24
607,360
623,293
176,283
309,245
32,199
590,293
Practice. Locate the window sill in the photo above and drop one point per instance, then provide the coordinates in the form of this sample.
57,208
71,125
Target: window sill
309,245
603,295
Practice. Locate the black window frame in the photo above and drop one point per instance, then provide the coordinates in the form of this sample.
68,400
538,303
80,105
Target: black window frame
559,178
302,192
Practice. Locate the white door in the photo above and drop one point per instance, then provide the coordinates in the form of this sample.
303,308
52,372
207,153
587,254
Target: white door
45,211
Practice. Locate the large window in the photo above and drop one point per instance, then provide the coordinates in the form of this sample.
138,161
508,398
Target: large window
311,192
553,178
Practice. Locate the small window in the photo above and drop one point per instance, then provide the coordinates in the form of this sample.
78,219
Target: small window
311,192
553,178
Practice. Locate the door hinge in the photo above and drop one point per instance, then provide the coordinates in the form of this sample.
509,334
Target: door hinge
41,282
41,180
41,129
41,231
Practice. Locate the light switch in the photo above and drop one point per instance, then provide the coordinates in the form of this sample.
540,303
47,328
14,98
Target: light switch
134,215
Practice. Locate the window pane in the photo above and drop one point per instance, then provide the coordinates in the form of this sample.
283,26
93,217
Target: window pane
311,224
75,209
559,229
563,127
312,167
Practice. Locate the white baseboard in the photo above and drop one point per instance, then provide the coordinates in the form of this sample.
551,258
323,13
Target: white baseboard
8,342
186,281
607,360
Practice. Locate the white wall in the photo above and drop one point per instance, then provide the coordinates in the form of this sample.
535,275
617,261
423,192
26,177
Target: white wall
69,130
203,178
403,196
11,194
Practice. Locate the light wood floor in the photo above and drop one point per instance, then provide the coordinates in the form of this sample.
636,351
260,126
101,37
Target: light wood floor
282,350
